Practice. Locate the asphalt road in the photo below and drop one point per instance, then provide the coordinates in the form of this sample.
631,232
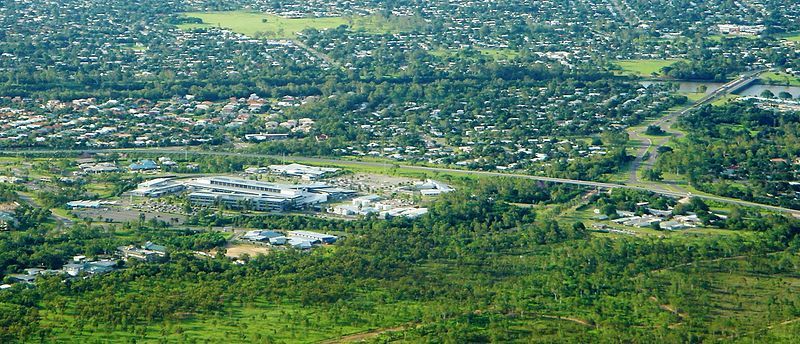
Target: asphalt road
670,118
64,221
599,185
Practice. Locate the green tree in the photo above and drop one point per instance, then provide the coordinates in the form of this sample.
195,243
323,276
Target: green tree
653,175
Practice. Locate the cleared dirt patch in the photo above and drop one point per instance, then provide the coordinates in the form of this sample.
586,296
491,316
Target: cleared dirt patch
238,250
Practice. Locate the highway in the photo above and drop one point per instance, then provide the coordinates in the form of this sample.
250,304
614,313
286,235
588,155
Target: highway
599,185
666,122
730,87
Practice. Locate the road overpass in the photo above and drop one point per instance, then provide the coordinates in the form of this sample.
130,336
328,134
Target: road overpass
731,87
670,118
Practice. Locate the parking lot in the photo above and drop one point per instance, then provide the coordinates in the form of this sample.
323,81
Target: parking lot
127,211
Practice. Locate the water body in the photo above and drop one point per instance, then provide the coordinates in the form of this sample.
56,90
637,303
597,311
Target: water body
687,86
756,89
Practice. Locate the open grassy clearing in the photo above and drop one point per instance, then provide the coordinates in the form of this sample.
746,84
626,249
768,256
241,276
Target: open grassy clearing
238,250
528,328
442,52
739,128
621,176
391,168
725,99
63,213
793,37
102,189
644,68
694,96
779,78
641,129
500,54
276,27
719,37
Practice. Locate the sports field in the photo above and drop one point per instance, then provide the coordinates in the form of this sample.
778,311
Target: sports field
276,27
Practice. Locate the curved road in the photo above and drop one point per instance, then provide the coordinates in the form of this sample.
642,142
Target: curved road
600,185
667,120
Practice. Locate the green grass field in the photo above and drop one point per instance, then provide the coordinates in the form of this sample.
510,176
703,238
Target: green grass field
135,47
779,78
500,54
694,96
793,37
391,168
104,190
725,99
276,27
719,37
644,68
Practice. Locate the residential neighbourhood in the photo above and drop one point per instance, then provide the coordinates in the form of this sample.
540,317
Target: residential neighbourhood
427,171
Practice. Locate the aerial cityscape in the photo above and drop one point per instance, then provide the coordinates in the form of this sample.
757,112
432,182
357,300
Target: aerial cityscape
425,171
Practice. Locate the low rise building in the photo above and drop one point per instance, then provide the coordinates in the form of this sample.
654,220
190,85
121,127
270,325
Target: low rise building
314,237
281,240
259,235
22,278
88,204
352,210
143,165
407,212
429,187
299,243
157,187
672,225
148,252
265,137
302,171
101,167
91,267
644,221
